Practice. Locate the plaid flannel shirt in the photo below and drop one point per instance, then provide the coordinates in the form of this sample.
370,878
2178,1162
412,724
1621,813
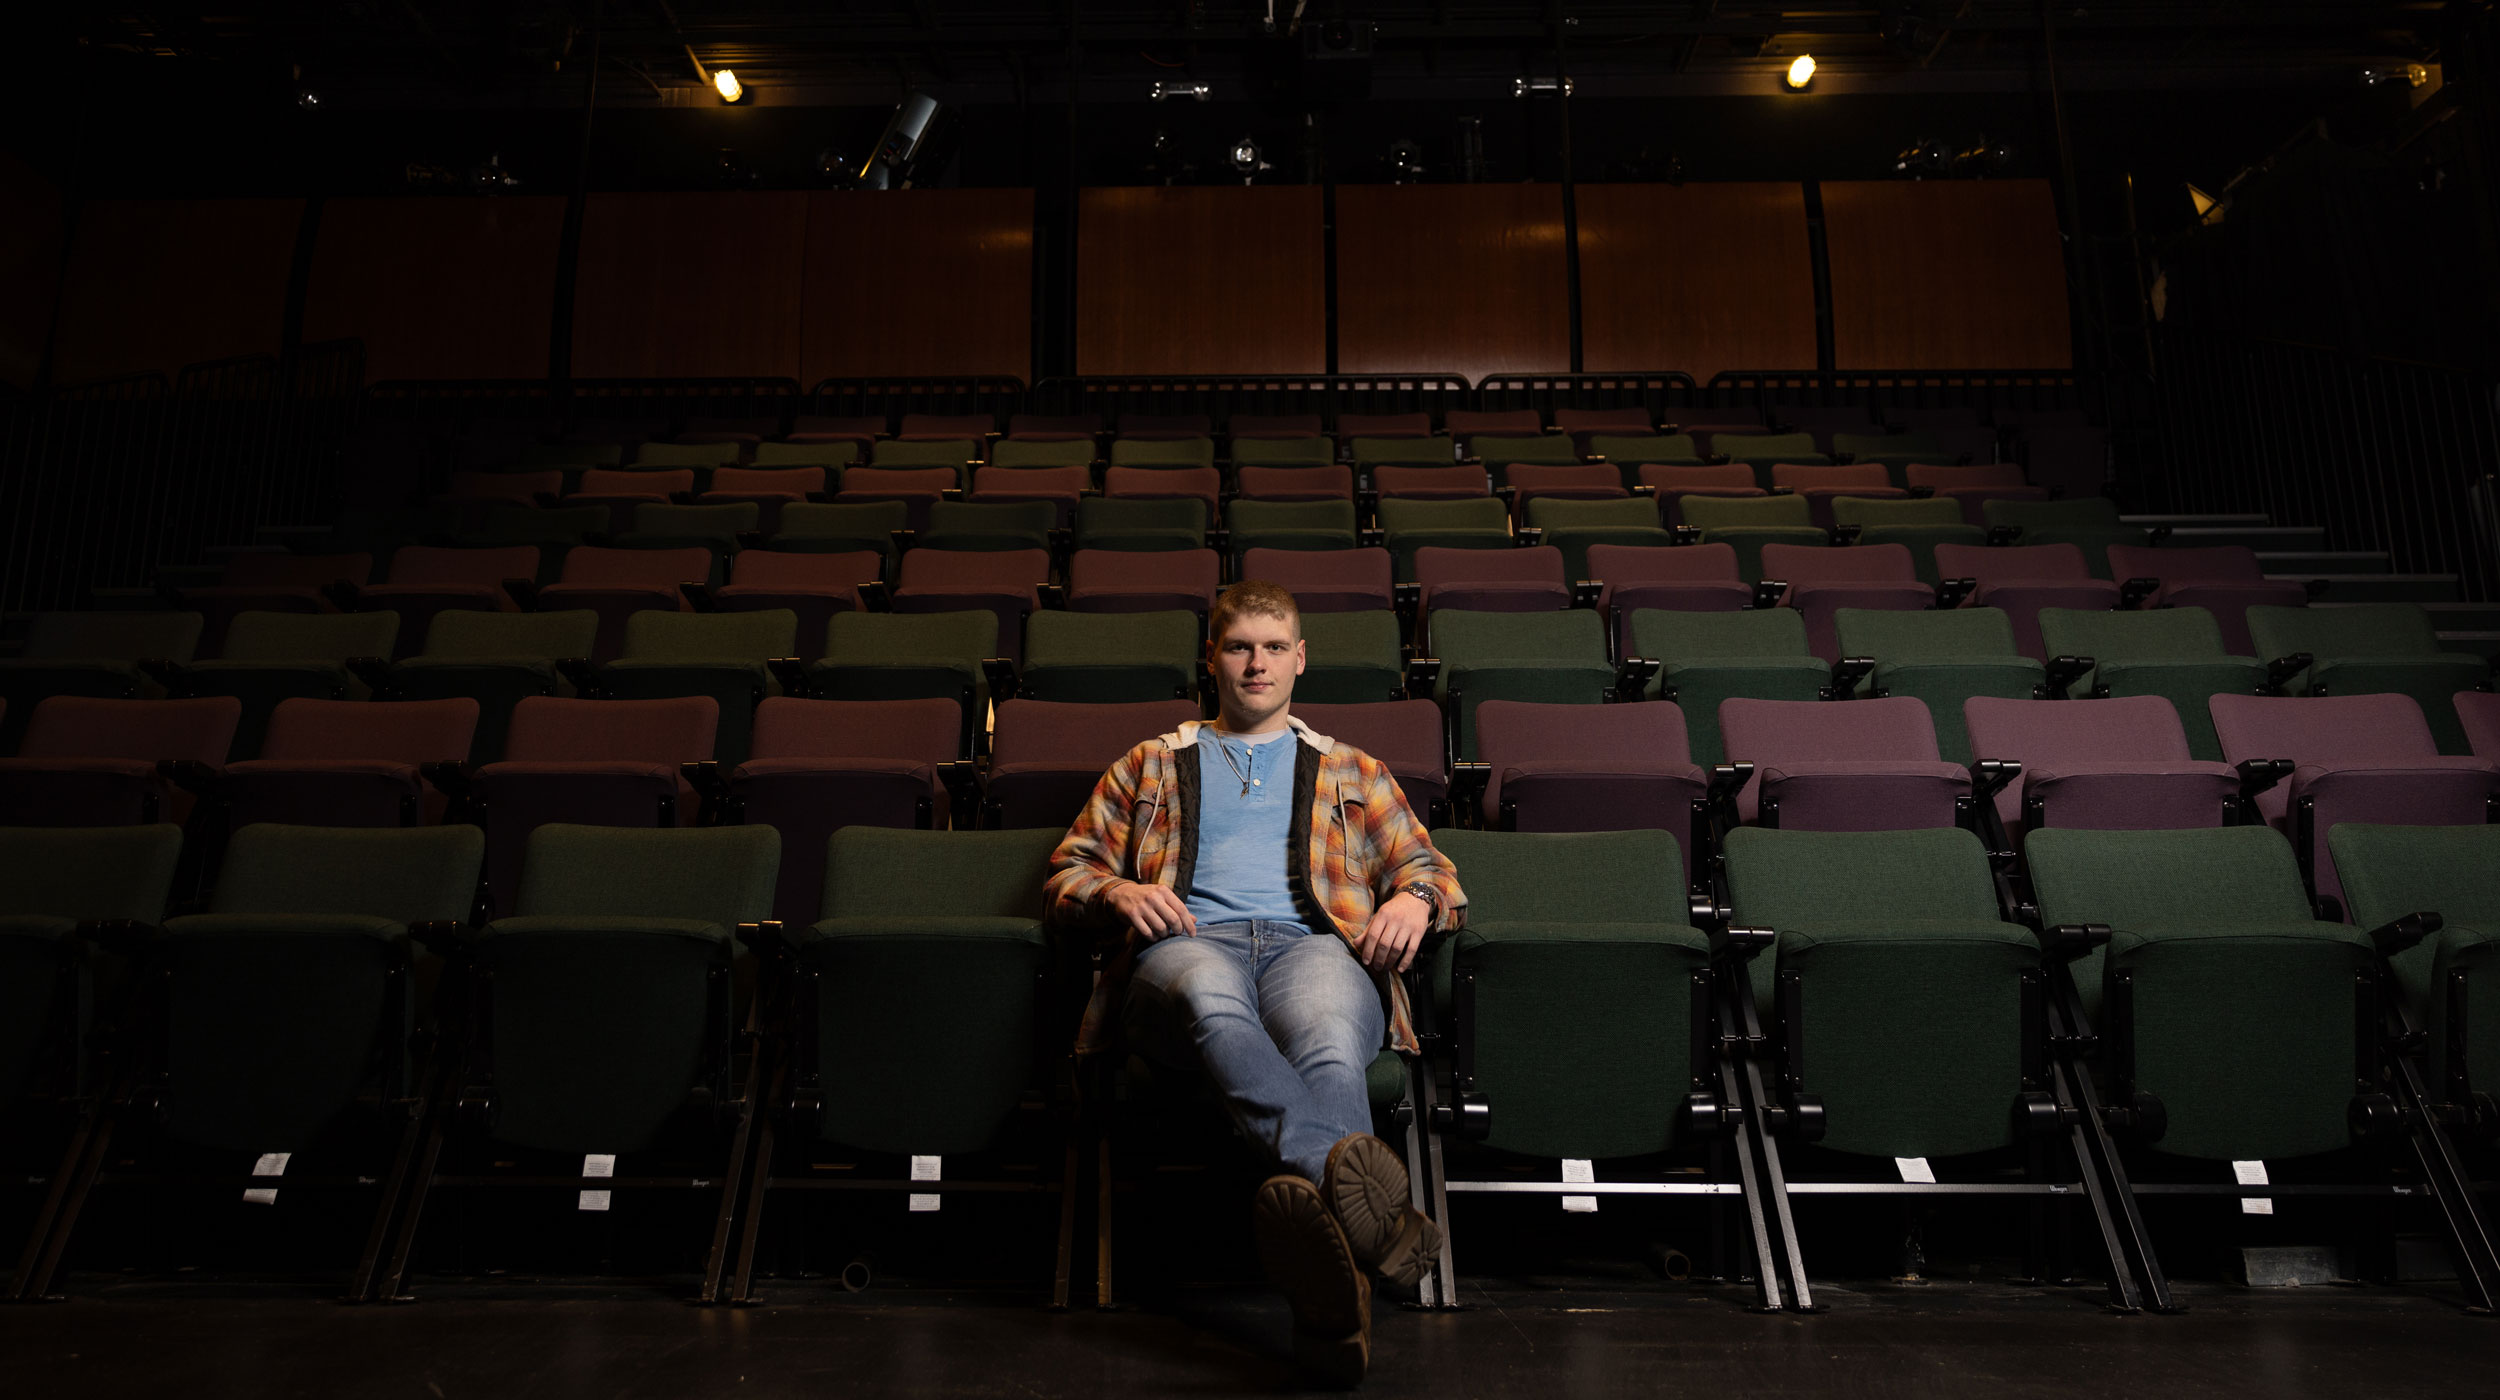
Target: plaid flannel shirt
1364,846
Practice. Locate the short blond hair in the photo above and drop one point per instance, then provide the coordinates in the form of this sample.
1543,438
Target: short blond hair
1253,597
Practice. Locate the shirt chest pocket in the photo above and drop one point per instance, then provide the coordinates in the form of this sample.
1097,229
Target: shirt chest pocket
1354,856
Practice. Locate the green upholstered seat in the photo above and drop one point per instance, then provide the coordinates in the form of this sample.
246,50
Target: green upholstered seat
497,659
1163,452
1706,657
1439,450
1015,452
1572,526
1747,523
1111,657
1942,658
1283,452
2454,872
1116,522
909,656
2373,649
2175,653
51,880
1352,658
991,525
1553,657
804,454
721,655
274,656
1481,522
1289,525
2090,523
841,527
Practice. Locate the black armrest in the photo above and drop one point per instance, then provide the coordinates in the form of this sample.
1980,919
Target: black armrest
523,591
2160,533
450,777
2259,774
754,539
189,774
123,937
1954,592
767,941
1004,681
1843,459
1768,592
1421,674
1509,497
963,782
2002,535
790,672
706,779
2064,671
1633,675
1054,596
1990,776
581,671
164,672
1686,534
1922,493
2315,587
1845,534
345,594
1407,598
1742,942
2281,669
874,596
699,596
1847,672
377,674
1585,592
1468,779
2405,932
2067,942
2134,591
443,938
1529,536
1220,538
1726,778
1371,537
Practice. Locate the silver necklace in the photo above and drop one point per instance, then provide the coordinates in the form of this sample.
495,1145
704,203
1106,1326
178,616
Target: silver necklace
1246,768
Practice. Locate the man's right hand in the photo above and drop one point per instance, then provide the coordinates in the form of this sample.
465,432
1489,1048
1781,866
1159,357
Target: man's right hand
1150,911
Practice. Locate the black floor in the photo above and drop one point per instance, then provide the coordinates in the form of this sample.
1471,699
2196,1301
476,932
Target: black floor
1541,1339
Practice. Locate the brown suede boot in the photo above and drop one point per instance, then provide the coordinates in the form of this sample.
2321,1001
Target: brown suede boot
1307,1258
1369,1193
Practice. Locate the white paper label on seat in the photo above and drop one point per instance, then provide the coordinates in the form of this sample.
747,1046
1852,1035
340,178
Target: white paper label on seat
927,1169
597,1164
1579,1169
2253,1174
1915,1169
269,1164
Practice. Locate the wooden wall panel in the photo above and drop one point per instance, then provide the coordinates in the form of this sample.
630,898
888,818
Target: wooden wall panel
1946,274
918,282
30,268
1205,279
1468,278
1698,278
438,288
156,284
675,285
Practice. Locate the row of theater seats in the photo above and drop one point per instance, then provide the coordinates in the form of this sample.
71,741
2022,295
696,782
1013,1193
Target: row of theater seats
1840,996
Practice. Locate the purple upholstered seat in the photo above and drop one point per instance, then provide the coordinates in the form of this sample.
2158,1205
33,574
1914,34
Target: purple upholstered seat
1490,580
1819,484
1309,483
2020,580
1673,483
1406,735
1842,765
1143,580
589,762
817,766
1588,768
1046,755
617,583
1974,486
350,762
1006,582
1680,578
2105,765
2225,580
428,579
1327,580
1585,423
1823,581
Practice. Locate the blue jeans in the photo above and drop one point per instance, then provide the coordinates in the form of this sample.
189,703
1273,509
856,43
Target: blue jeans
1284,1022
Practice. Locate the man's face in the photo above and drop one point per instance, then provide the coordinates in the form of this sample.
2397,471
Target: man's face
1255,662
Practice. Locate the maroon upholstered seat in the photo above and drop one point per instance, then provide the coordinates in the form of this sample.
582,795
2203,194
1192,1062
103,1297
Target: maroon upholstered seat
1680,578
1311,483
1585,423
1450,483
1406,736
589,762
2225,580
1618,767
1673,483
93,762
1819,484
1488,580
1274,425
1144,580
770,488
1045,756
350,762
1823,581
815,586
2479,712
617,583
1062,486
817,766
428,579
1327,580
270,581
2106,765
1842,765
1006,582
2023,579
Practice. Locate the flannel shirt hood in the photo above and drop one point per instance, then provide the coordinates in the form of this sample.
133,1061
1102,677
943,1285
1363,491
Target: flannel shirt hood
1363,845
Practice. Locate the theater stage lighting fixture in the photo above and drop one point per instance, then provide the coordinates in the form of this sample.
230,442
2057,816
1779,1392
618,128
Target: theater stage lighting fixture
308,99
1801,72
1539,87
1164,92
727,85
1245,160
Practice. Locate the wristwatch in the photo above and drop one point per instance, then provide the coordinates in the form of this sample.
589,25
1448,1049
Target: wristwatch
1431,900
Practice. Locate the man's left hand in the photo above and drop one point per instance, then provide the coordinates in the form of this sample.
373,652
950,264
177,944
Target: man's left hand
1396,930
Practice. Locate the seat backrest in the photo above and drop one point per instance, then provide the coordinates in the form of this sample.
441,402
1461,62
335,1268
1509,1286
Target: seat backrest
1604,420
1746,512
75,726
1664,461
531,525
279,569
1641,737
895,873
1406,735
1673,635
2142,881
1319,568
1310,451
976,569
1501,449
1286,426
1505,420
1188,425
1813,478
1802,881
112,636
1022,423
1353,638
2077,513
719,874
656,635
1464,637
466,632
1003,479
1584,877
928,730
1959,634
2357,629
804,454
795,480
411,875
1199,570
1034,518
1978,478
1540,476
1764,446
833,426
1436,450
898,639
2158,634
1438,566
278,636
1244,514
551,729
1866,563
1625,513
602,482
842,519
2391,871
1148,483
1113,514
1074,638
89,872
800,568
433,565
724,523
1621,564
1895,729
892,477
934,425
1164,449
401,731
1354,425
1088,738
1867,511
2134,728
1047,452
1405,516
684,454
2022,563
636,568
2221,563
2326,730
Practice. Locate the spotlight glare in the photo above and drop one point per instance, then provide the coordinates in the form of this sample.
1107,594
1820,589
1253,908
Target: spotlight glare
1801,72
727,84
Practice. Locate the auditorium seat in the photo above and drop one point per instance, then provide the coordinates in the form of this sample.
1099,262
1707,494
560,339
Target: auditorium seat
1527,483
1613,768
86,761
769,489
496,659
1326,580
618,492
2090,523
1318,482
908,656
1420,482
2020,580
915,489
1862,765
1108,658
1148,427
1409,525
1367,453
1045,756
1353,657
56,887
812,586
1973,487
1763,451
676,456
826,450
1059,487
725,656
814,430
2225,580
1203,484
1673,483
1018,527
1748,524
2175,653
1487,580
2106,765
1289,526
717,530
1820,484
509,487
1104,523
1163,450
95,654
554,529
928,427
271,656
617,583
595,762
1045,427
1276,427
1577,526
2357,758
349,763
1134,580
817,766
1654,449
1584,425
1891,453
1405,735
2390,872
1553,657
1501,451
424,580
1687,578
271,581
1822,581
746,430
1384,426
1050,450
1707,657
1921,526
1943,658
2370,649
1502,424
1007,583
844,528
1282,452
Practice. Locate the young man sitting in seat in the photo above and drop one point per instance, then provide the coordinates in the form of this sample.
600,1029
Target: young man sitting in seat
1272,884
